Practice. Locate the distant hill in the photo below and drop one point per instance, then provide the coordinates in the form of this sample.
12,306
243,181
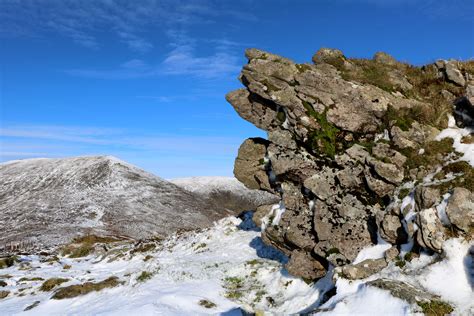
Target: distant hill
45,202
227,192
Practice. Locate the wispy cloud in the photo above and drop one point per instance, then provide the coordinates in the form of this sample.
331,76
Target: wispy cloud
107,138
134,68
183,59
135,43
166,155
129,21
137,25
435,9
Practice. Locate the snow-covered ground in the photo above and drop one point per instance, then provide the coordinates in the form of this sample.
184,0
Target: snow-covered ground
451,277
228,260
228,266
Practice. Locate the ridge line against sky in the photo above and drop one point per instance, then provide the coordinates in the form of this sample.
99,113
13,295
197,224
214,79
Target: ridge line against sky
146,82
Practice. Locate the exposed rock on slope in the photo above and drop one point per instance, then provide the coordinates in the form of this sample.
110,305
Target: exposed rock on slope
355,151
226,192
44,202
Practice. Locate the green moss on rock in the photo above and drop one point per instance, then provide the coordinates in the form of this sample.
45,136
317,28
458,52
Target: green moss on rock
435,308
323,139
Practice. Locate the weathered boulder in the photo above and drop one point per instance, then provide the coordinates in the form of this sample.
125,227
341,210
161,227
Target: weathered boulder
294,165
250,109
389,172
453,74
391,254
363,269
384,152
426,197
302,264
249,167
338,234
392,230
377,185
322,184
460,209
450,71
430,233
406,292
325,54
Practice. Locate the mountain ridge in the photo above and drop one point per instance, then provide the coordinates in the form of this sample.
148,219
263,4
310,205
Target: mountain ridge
48,201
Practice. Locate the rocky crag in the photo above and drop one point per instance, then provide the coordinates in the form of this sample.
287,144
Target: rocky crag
361,152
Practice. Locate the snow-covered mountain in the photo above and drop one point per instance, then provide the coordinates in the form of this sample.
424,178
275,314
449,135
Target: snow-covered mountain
44,202
226,192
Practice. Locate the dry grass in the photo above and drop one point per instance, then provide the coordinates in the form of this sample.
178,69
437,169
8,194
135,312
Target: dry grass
85,288
435,308
7,262
83,246
207,304
427,86
50,284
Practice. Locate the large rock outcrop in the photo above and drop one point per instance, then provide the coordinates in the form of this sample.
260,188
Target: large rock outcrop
348,139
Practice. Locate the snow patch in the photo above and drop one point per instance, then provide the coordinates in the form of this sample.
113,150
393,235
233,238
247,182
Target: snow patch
373,252
452,278
441,210
365,301
457,134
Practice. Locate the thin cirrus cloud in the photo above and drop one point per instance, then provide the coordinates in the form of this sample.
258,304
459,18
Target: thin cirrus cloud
167,156
81,21
91,139
129,24
128,21
181,60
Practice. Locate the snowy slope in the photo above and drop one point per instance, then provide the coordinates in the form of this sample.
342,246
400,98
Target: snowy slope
44,202
450,276
186,270
228,266
227,192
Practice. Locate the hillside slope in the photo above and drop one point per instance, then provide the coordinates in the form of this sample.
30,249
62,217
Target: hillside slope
45,202
226,192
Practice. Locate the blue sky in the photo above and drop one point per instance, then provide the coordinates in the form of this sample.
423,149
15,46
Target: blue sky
145,80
